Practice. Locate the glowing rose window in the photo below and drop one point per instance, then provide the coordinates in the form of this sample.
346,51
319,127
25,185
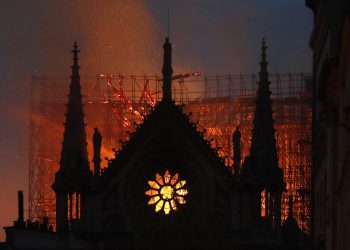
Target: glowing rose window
166,192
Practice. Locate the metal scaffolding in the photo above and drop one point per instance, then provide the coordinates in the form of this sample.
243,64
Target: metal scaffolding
115,103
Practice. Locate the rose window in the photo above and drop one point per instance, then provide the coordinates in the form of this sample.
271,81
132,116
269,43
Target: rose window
166,192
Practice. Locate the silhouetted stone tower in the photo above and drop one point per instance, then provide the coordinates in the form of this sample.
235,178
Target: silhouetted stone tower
97,143
237,155
263,150
74,174
167,71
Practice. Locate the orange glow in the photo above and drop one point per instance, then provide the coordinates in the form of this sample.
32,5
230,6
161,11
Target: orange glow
73,207
216,117
263,203
166,192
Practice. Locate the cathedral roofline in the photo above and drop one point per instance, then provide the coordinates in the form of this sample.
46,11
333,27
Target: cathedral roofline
164,111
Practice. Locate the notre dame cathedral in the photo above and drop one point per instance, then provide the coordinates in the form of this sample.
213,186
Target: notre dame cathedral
166,188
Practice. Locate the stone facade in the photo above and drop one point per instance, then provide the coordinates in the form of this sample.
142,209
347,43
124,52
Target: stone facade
167,187
330,41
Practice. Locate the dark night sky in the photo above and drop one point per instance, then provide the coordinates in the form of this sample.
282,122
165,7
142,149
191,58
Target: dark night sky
221,36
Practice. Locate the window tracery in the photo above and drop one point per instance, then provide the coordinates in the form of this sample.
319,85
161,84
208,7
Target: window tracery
167,192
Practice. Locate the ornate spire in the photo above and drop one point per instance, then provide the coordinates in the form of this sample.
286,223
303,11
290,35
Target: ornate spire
263,148
74,156
263,151
167,71
75,67
263,64
74,174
